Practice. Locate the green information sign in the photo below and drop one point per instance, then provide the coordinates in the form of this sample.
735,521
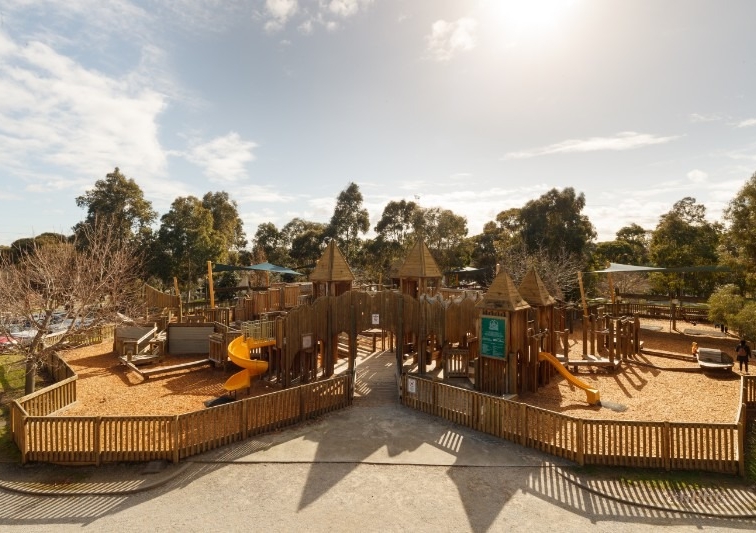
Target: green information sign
493,331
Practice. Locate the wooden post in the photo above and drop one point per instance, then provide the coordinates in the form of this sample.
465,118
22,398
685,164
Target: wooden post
666,444
611,287
741,439
400,333
243,429
580,441
352,349
582,294
97,443
422,343
181,307
586,325
176,439
328,356
210,284
612,340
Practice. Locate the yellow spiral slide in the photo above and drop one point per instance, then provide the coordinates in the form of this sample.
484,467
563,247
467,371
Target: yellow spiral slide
239,353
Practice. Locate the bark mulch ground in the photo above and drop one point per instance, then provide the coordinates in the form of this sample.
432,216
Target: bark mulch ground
664,384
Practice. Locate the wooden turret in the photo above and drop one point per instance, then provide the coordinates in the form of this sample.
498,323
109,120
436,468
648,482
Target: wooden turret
331,275
497,374
419,272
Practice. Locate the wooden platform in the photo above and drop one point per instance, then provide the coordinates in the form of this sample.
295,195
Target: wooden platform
593,361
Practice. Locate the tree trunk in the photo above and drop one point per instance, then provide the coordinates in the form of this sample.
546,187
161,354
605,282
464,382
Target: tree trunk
31,373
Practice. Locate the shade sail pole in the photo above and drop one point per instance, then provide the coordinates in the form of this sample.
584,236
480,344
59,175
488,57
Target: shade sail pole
210,284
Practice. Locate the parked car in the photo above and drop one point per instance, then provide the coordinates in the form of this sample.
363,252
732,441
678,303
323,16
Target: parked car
7,343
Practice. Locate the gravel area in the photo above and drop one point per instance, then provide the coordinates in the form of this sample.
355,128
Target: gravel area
664,384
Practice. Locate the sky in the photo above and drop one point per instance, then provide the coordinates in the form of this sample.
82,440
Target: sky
475,106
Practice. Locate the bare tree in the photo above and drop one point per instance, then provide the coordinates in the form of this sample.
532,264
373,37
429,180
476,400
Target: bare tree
557,271
54,292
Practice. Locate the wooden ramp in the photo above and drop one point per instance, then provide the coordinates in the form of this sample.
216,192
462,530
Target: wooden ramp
376,379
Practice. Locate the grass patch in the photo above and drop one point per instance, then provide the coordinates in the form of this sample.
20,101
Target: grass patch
12,381
675,480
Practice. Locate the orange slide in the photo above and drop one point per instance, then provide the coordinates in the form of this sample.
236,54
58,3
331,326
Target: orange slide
592,394
239,354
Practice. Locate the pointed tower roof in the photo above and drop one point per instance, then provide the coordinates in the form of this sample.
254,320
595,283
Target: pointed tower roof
534,291
419,263
332,266
502,295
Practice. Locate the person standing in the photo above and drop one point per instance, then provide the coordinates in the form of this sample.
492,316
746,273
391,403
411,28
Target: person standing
743,352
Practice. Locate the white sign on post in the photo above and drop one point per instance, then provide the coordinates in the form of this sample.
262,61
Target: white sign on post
376,319
411,386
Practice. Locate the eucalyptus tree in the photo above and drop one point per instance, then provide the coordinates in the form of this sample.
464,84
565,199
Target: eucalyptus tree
739,248
554,223
120,200
306,241
270,244
349,220
395,235
187,239
226,219
684,238
445,234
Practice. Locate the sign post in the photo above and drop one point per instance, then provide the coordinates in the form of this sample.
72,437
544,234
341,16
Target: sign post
493,336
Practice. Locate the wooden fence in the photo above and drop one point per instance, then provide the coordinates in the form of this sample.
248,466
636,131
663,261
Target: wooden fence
654,310
98,439
668,445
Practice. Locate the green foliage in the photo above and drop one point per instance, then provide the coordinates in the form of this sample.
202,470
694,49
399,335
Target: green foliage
684,238
188,240
122,201
744,323
271,245
21,247
306,241
445,234
226,220
740,245
348,221
555,223
724,303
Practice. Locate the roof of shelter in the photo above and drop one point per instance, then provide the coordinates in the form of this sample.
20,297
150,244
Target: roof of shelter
619,267
332,266
419,263
503,295
534,291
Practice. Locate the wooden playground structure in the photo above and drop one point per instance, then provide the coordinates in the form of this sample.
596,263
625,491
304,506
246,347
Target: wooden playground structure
462,355
504,342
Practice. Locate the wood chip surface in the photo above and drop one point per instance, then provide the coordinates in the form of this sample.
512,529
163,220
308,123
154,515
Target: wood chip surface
652,389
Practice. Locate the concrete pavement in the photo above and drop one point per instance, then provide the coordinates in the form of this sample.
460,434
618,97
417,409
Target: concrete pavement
378,431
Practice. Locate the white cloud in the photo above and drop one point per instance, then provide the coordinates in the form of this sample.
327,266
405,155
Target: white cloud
747,123
325,13
223,159
281,10
698,176
698,117
447,39
344,8
55,111
628,140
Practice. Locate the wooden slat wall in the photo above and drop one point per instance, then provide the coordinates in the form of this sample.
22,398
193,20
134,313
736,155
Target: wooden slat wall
159,299
669,445
93,440
189,338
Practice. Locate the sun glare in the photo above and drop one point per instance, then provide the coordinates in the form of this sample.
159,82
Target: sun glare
529,16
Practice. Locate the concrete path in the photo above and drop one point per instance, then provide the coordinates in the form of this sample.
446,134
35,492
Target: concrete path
375,466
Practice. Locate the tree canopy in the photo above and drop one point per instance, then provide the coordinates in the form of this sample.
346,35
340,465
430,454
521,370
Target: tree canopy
122,201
